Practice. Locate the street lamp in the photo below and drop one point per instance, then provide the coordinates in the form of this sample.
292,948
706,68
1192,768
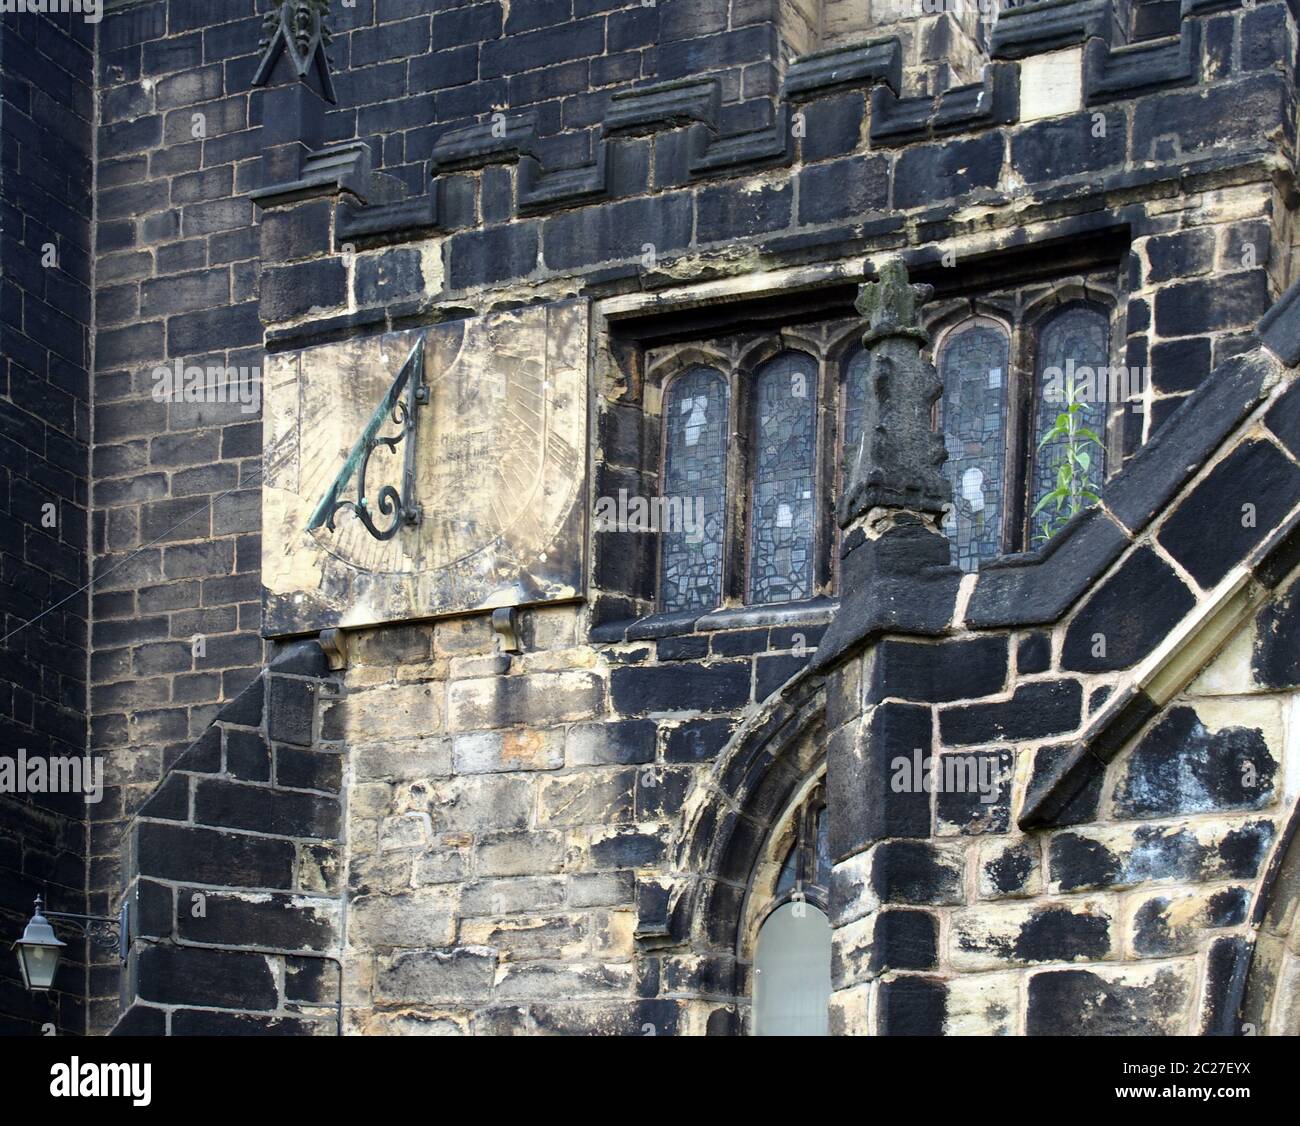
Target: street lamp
40,949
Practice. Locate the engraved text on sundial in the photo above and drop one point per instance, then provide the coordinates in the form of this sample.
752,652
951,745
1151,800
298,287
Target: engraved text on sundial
498,472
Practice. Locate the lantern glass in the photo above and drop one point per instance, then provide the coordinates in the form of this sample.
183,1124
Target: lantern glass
38,951
39,963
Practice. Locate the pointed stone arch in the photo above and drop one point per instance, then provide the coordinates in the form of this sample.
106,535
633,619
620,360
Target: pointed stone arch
697,913
1262,986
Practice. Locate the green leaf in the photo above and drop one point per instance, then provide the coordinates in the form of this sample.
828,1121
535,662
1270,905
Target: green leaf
1055,494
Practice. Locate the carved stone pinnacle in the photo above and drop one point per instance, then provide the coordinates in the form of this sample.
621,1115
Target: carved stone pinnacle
898,463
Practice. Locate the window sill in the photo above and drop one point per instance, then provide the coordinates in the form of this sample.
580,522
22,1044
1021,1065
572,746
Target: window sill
810,612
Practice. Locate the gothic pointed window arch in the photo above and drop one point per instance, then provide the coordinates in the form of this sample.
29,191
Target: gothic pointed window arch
692,552
783,487
792,953
763,450
1072,351
973,366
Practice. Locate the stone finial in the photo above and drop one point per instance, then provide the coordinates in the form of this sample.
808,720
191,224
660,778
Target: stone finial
892,305
299,30
897,463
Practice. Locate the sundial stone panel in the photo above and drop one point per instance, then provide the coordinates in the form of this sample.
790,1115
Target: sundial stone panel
498,472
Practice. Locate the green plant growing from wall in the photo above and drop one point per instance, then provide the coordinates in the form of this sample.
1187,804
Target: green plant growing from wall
1073,491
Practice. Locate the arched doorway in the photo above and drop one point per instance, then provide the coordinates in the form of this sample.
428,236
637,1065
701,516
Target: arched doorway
792,972
788,936
748,846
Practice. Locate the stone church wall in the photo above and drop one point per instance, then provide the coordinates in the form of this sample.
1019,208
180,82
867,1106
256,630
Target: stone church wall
46,267
554,839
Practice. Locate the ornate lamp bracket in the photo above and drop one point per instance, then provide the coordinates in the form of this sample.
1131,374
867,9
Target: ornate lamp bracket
405,397
104,932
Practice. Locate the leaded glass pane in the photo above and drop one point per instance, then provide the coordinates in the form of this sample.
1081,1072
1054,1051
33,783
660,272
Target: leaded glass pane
855,393
694,473
1074,346
784,518
973,368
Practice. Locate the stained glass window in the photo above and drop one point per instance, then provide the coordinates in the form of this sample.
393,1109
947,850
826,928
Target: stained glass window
1073,348
807,864
973,367
783,521
694,476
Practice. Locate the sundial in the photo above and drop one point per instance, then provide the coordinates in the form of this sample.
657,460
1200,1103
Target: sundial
425,473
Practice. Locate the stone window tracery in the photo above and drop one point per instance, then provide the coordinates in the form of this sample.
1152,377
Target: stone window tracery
973,366
759,438
1073,350
1005,369
694,473
783,509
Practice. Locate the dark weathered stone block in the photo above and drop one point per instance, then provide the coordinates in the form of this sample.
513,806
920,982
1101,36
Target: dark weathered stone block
291,708
233,805
697,740
950,670
1035,711
1180,768
912,1006
1187,439
247,756
491,255
1231,511
1080,1002
871,809
973,791
1068,146
927,174
1037,588
1283,419
843,189
171,852
1126,617
709,688
904,940
915,872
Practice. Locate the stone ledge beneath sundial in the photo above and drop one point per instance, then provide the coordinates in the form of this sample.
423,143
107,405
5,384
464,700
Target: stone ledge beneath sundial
498,472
